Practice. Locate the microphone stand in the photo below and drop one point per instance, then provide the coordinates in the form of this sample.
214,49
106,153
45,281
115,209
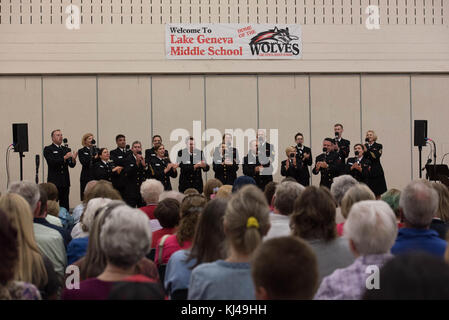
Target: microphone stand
21,156
420,161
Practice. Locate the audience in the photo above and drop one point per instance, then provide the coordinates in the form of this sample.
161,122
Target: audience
224,192
211,188
284,268
283,201
207,246
189,191
242,181
269,191
53,207
371,230
441,219
245,223
172,194
391,197
167,213
79,209
418,204
338,189
313,220
150,190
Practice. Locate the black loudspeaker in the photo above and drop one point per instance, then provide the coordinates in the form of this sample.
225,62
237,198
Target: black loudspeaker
20,137
420,133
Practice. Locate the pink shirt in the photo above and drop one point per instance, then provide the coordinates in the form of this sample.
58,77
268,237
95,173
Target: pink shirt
171,245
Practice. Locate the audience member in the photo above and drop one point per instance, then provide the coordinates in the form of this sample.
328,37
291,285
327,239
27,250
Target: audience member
79,209
269,191
53,206
189,191
150,190
441,219
391,197
338,189
137,288
211,188
224,192
172,194
241,181
168,215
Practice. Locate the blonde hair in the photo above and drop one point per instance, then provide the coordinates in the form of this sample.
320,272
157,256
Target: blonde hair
246,205
30,265
53,208
374,134
224,192
288,149
443,205
84,139
355,194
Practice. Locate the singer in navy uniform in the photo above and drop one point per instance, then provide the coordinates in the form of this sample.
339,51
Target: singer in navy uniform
303,155
343,145
252,166
192,163
225,163
373,152
328,164
162,168
119,156
59,158
291,167
87,159
136,173
104,168
151,153
266,158
359,167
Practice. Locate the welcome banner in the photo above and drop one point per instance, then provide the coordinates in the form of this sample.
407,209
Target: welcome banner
233,41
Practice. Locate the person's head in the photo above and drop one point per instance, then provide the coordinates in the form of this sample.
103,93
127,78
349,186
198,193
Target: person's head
443,205
371,228
340,185
29,191
86,140
356,193
150,190
269,192
242,181
313,215
391,197
285,197
172,194
412,276
160,150
224,192
9,253
51,190
136,147
358,150
190,191
56,137
227,139
299,138
89,186
338,129
190,143
290,152
371,136
53,208
328,145
191,208
253,146
101,189
246,220
30,265
284,268
104,154
120,140
125,237
208,243
167,213
419,204
261,135
157,140
89,214
211,187
43,207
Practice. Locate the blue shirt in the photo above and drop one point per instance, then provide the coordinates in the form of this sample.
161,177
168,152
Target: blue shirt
177,274
77,249
426,240
64,233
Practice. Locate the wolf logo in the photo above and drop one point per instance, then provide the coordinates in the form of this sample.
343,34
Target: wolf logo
273,36
275,42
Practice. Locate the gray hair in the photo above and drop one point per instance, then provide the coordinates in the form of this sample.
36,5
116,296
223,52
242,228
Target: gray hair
371,226
125,237
340,185
28,190
150,190
172,194
286,194
419,203
92,206
355,194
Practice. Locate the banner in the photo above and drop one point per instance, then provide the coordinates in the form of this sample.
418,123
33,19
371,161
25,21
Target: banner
233,41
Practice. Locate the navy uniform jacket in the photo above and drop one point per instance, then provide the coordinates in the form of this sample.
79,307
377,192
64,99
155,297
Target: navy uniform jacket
223,172
344,148
304,176
134,176
119,156
150,154
250,162
333,161
58,168
366,169
190,177
87,161
377,181
292,171
157,167
103,171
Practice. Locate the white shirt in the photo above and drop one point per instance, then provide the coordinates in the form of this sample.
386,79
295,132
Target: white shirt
280,226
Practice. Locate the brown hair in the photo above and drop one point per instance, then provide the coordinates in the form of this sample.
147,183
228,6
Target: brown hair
84,139
314,215
211,184
167,213
286,268
191,207
269,191
443,203
9,253
225,192
51,190
190,191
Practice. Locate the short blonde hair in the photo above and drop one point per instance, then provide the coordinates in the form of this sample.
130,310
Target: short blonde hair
288,149
85,137
357,193
225,192
374,134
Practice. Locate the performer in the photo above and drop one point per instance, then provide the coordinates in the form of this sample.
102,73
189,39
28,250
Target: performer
266,158
59,158
136,173
327,163
119,156
343,145
87,156
162,168
291,167
151,153
359,167
304,154
225,163
105,169
192,163
252,166
373,152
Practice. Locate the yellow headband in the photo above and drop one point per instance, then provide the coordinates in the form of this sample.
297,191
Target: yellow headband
252,223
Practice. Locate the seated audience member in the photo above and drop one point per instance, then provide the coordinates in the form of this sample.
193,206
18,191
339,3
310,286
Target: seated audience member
52,206
79,209
77,247
284,268
242,181
189,191
172,194
168,215
224,192
246,222
269,191
125,239
371,230
441,219
191,207
31,266
94,262
313,219
412,276
49,240
137,287
358,192
150,190
391,197
211,188
11,289
283,201
207,246
419,204
101,189
338,189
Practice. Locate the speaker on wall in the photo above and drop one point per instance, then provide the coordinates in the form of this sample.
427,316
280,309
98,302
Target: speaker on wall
20,137
420,133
